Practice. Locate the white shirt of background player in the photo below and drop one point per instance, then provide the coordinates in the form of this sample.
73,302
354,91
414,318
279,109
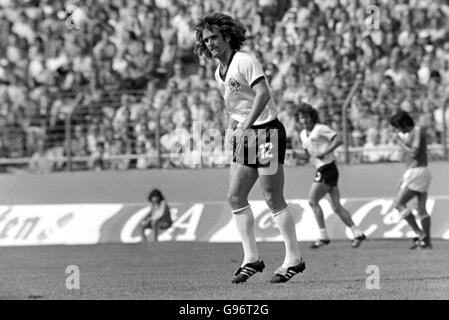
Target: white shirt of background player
317,141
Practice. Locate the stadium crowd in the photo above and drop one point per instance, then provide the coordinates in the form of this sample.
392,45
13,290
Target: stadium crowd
119,62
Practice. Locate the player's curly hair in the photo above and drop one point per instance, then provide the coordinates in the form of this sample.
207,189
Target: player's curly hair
306,110
401,120
227,26
156,193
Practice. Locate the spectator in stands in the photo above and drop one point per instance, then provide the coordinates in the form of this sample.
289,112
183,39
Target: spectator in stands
79,146
41,161
358,141
370,152
392,151
139,44
199,80
140,67
291,92
100,159
108,79
289,118
147,154
178,78
169,54
119,154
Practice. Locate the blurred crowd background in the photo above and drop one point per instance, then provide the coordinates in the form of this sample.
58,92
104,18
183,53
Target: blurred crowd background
107,68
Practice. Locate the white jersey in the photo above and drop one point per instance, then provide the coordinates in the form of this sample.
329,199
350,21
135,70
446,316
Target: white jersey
317,141
244,71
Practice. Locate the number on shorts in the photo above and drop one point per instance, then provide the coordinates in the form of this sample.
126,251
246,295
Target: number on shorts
265,151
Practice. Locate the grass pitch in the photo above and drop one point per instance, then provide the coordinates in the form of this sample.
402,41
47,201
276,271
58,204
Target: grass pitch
203,271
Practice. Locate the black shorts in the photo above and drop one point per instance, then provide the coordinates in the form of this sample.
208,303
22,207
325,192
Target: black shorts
162,224
327,174
262,146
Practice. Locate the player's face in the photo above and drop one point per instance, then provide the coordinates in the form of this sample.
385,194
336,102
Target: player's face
305,121
403,129
155,199
215,43
400,129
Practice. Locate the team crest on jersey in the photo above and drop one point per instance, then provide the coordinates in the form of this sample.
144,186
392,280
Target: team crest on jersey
234,85
318,176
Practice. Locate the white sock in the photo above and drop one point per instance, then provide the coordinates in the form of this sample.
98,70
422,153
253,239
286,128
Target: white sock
323,234
286,224
356,231
244,221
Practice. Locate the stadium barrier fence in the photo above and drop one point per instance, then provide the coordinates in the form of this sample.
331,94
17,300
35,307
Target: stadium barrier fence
345,126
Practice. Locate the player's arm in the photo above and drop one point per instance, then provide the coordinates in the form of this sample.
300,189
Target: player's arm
163,205
336,141
403,146
409,152
301,154
260,101
232,124
301,151
229,134
413,149
147,218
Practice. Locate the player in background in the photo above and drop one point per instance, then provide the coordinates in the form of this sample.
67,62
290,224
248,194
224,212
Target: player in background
257,138
416,179
319,141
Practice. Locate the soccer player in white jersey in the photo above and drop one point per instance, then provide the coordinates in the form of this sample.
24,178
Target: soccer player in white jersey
258,141
319,142
416,179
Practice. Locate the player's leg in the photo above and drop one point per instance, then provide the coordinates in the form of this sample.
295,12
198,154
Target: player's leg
273,189
345,216
420,184
341,211
144,225
403,197
241,181
155,230
317,191
425,219
142,228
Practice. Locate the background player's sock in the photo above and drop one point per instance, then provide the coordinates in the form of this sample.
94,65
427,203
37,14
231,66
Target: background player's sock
244,221
410,218
286,224
425,222
323,234
356,231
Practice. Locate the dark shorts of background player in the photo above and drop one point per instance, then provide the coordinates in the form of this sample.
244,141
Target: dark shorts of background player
327,174
162,224
262,143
